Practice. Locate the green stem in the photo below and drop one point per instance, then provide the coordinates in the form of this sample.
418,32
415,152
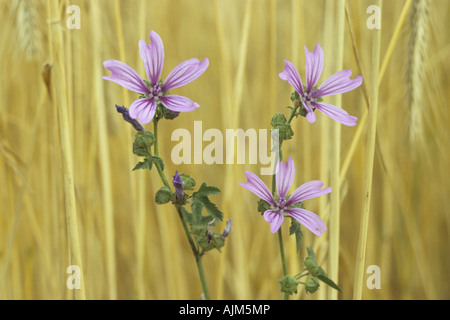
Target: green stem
283,259
280,237
293,113
195,251
202,277
155,133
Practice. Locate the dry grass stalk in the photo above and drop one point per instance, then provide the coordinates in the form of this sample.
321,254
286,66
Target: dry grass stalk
418,51
369,162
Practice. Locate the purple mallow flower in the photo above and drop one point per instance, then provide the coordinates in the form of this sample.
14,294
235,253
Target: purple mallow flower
178,184
281,204
155,90
310,96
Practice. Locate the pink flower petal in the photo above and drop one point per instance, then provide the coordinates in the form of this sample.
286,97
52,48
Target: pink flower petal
336,113
257,186
308,190
275,219
339,82
124,75
290,74
310,116
177,103
313,66
143,110
285,177
309,219
185,73
153,57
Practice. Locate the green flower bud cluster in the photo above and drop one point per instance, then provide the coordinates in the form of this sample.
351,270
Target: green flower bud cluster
289,285
165,195
143,142
315,273
284,129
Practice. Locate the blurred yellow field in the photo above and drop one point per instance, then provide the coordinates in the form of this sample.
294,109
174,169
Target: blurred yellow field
69,195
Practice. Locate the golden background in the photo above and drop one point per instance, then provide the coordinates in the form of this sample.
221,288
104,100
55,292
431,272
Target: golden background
134,249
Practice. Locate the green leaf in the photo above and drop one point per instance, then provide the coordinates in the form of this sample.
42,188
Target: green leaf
159,160
329,282
197,208
148,163
263,206
311,253
144,165
210,207
206,190
188,216
295,229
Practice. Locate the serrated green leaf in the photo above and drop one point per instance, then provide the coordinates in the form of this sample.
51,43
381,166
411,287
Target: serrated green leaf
263,206
143,165
206,220
329,282
206,190
147,163
158,159
189,217
197,208
210,207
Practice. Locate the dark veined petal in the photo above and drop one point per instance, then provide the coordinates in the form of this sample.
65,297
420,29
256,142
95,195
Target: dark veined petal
313,66
153,57
177,103
285,177
308,190
290,74
339,82
124,75
143,110
309,219
185,73
275,219
257,186
336,113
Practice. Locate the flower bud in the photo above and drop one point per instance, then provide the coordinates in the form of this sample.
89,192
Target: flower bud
188,181
312,266
170,115
227,229
288,285
311,285
178,184
142,143
278,119
126,116
285,131
163,195
295,96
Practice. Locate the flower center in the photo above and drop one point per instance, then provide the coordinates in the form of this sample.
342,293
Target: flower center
281,204
155,90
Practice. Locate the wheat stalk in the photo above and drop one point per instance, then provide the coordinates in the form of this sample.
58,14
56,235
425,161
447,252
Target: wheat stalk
29,42
417,61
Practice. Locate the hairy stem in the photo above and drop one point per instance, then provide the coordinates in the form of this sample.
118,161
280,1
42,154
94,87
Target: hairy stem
195,251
